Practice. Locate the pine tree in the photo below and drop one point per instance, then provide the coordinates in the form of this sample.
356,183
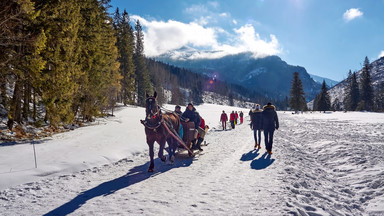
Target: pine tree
197,92
336,105
125,45
322,101
99,83
21,40
230,98
143,84
297,99
354,93
366,90
61,20
379,98
176,94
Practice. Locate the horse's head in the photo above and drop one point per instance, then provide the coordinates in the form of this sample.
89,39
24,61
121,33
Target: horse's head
151,107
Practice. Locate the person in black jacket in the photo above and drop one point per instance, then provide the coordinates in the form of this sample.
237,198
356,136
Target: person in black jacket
190,114
269,122
256,126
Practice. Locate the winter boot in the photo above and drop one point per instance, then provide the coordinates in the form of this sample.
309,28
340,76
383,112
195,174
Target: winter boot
255,145
258,146
193,147
199,141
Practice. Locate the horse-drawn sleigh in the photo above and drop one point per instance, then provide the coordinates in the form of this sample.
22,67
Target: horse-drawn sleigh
164,127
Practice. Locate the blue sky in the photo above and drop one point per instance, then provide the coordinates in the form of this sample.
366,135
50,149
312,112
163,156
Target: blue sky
327,37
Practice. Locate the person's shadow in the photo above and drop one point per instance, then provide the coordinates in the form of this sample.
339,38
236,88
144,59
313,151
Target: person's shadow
250,155
135,175
263,162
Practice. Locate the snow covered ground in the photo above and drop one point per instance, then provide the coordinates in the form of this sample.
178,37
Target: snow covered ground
323,164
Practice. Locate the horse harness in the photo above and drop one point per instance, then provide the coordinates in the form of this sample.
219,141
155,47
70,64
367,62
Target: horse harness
153,115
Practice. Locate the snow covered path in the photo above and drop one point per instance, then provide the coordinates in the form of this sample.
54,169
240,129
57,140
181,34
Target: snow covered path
322,165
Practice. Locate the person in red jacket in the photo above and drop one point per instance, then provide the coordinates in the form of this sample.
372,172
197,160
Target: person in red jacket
224,119
241,117
200,136
232,118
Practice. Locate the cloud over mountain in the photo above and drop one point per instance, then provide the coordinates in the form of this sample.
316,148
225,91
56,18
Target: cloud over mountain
211,42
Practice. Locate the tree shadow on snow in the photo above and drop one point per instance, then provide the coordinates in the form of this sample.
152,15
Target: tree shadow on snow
250,155
263,162
135,175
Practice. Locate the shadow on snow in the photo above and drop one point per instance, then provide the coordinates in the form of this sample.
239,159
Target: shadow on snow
263,162
135,175
250,155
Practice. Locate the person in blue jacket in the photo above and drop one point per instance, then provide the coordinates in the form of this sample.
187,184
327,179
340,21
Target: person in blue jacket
269,122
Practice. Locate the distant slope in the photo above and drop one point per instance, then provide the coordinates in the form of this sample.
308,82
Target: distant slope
377,74
270,75
330,83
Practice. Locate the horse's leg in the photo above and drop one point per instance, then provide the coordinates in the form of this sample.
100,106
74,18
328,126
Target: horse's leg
172,147
161,150
151,155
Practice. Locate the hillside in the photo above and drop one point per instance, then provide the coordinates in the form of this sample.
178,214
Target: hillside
377,74
329,82
270,76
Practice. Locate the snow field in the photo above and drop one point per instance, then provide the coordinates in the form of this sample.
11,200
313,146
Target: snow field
323,164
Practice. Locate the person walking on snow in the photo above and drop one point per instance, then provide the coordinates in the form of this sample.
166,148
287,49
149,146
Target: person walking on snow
236,117
224,119
241,117
269,122
256,125
232,118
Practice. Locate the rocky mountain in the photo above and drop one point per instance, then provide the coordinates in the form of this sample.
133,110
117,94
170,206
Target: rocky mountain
330,83
270,76
377,74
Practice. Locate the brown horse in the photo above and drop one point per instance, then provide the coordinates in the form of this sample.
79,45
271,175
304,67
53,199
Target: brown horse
155,130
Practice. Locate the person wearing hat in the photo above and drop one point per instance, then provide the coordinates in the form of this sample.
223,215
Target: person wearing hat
256,125
224,119
190,114
269,122
178,110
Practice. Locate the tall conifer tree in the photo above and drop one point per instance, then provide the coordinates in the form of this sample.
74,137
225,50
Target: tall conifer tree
142,75
322,101
125,45
297,94
366,92
21,41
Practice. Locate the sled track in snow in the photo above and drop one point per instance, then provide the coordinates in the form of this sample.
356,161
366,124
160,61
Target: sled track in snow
321,167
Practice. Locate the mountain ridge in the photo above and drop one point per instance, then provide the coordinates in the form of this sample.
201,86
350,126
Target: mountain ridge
270,75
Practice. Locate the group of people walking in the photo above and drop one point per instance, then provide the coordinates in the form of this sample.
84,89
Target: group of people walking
264,120
233,118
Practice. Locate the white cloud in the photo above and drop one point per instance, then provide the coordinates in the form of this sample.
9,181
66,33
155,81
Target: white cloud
381,54
161,37
351,14
197,9
234,21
